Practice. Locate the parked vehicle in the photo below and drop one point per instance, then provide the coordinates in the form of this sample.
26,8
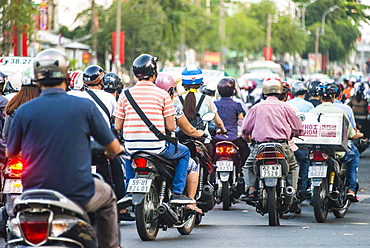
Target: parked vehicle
328,178
274,195
229,186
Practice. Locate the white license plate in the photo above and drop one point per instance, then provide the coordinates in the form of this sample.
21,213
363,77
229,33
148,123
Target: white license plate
224,165
273,170
317,171
139,185
13,186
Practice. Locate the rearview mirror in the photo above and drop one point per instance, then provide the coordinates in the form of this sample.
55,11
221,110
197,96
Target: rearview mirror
208,116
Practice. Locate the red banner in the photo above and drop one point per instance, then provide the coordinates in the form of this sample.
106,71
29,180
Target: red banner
212,57
267,53
121,47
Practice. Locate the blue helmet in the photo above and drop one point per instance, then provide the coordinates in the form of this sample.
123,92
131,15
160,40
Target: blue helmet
192,75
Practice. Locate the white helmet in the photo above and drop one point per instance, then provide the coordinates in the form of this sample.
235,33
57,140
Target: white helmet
272,86
28,77
14,82
76,80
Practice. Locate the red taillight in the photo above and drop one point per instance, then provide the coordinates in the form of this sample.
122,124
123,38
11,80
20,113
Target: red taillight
15,166
225,150
270,154
140,162
318,156
35,232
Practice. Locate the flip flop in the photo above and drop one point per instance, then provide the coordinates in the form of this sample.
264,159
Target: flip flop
194,208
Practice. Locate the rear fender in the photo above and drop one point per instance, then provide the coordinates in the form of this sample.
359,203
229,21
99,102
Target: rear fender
137,198
271,182
224,176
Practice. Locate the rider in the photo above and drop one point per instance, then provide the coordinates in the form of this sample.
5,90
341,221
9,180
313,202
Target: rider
48,145
314,92
166,82
112,84
192,79
13,85
270,121
327,91
76,81
157,106
230,113
299,91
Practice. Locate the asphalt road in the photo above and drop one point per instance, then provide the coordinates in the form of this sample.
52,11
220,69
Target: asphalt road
242,226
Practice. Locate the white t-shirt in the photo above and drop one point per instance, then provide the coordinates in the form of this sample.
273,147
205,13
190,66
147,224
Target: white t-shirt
107,98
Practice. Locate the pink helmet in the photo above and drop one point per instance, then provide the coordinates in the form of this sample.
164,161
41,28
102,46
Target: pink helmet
164,81
250,85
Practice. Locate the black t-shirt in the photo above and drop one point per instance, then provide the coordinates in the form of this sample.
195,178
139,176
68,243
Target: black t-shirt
53,132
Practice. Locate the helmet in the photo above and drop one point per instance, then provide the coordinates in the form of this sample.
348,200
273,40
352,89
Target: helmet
226,87
250,85
338,89
272,86
76,81
112,82
28,78
192,75
312,87
299,88
286,87
145,66
164,81
51,64
14,82
327,89
93,75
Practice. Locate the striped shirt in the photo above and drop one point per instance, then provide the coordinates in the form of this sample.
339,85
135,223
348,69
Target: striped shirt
156,105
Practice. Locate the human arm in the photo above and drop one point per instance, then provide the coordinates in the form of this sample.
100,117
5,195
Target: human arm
113,149
169,122
248,124
187,128
294,122
5,131
118,124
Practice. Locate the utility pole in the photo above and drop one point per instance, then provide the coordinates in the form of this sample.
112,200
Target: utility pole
317,49
94,53
117,60
222,35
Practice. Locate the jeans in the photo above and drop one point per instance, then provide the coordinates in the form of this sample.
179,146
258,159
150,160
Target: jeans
351,157
183,156
103,203
304,164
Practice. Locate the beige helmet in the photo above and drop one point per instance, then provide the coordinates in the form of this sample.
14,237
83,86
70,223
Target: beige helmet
272,86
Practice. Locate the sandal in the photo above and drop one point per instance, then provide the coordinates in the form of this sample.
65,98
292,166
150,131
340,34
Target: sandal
194,208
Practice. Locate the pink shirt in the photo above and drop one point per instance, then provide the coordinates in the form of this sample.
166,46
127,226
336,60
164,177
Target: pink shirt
271,120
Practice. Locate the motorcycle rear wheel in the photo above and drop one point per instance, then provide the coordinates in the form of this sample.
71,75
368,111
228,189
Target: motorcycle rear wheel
272,207
226,195
186,230
147,221
320,201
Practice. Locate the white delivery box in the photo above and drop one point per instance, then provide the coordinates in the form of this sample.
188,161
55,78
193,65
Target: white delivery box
326,129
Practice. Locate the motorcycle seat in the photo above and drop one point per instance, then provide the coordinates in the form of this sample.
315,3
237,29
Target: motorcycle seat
149,156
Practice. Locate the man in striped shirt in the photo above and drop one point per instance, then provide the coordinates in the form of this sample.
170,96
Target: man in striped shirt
156,104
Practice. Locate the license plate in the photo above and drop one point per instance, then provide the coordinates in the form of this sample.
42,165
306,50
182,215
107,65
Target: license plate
317,171
273,170
225,165
13,186
139,185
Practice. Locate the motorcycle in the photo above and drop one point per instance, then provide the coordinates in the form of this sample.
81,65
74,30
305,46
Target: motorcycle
229,186
328,183
274,196
206,198
45,217
11,187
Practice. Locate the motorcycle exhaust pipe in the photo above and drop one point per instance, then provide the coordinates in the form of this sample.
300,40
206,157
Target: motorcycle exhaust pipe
169,216
334,196
207,200
289,196
240,186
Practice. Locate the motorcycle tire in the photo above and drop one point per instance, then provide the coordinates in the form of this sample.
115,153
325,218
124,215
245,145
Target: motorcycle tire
341,212
198,219
225,194
147,223
188,227
320,201
272,207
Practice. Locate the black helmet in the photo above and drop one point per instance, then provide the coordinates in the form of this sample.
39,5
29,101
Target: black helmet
327,89
299,88
226,87
51,64
313,89
93,75
112,82
144,66
338,89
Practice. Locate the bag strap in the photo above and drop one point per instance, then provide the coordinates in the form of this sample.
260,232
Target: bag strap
181,100
100,103
147,122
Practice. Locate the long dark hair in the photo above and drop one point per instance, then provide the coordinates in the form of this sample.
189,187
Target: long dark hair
190,102
25,94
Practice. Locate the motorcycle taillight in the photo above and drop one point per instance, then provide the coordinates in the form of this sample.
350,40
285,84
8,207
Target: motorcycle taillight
318,156
270,155
140,162
225,150
15,167
35,227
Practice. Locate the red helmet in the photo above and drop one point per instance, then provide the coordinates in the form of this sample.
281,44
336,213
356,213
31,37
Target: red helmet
250,85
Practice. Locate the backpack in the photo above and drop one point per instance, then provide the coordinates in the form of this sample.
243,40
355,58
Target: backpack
196,122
